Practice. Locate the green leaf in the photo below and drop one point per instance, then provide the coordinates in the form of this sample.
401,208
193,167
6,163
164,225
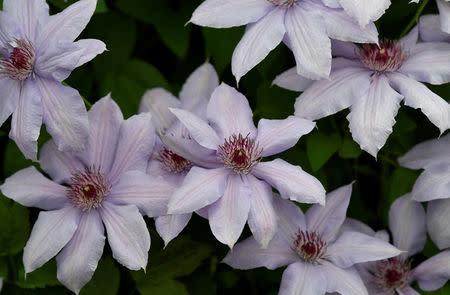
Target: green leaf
274,102
62,4
320,147
349,149
105,280
220,45
128,85
14,226
163,287
40,278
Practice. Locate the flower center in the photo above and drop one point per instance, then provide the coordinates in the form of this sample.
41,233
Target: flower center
309,246
88,189
286,3
240,153
19,64
388,57
393,273
173,162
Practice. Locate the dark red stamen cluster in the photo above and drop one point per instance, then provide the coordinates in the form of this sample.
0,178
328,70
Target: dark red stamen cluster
240,153
392,273
88,189
287,3
309,246
19,64
173,162
387,57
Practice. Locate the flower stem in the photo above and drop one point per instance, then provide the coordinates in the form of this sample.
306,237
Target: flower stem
414,19
88,104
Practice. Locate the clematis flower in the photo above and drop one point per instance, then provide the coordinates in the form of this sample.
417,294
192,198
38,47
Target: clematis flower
231,189
372,81
1,284
319,258
39,53
433,185
429,29
305,26
395,275
194,97
444,14
106,185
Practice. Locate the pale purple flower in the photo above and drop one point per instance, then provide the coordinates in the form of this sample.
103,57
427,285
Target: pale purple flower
433,185
39,53
1,284
231,187
106,185
395,275
430,29
320,259
372,81
444,14
194,97
305,26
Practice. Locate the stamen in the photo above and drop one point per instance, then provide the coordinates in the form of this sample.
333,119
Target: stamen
240,153
309,246
393,273
19,64
89,189
388,57
173,162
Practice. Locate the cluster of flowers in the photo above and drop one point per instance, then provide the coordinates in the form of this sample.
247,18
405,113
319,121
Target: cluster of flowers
202,152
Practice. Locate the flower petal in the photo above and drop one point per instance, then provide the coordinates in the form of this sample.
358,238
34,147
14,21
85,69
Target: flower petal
353,247
28,14
433,183
344,281
434,272
9,29
127,235
427,153
344,49
351,224
59,165
157,101
303,278
230,113
430,29
51,232
307,34
409,42
149,193
27,120
229,13
444,13
365,11
200,188
248,254
275,136
326,97
170,226
437,58
199,86
372,115
67,25
290,218
198,129
79,258
32,189
292,81
291,181
438,219
327,220
418,95
408,225
228,215
341,26
10,93
105,119
407,291
65,115
262,218
259,39
134,146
